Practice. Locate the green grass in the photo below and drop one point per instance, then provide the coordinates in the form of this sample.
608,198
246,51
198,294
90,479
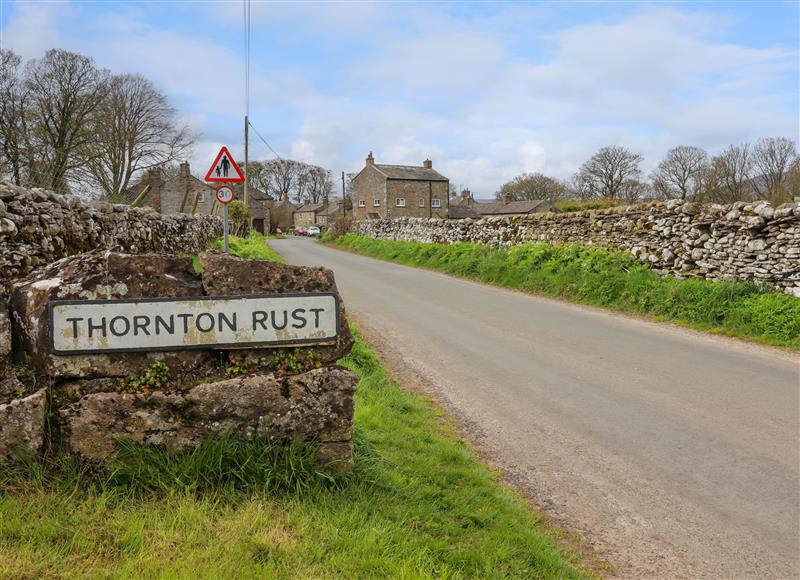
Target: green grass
419,504
610,279
253,247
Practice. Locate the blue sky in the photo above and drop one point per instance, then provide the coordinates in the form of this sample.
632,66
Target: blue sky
486,90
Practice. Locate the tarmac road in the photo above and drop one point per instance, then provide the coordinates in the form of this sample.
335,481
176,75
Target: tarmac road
675,454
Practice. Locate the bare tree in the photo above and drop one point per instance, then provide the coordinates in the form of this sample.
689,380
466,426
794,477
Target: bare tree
680,172
281,177
14,133
729,177
135,129
609,172
318,183
772,157
532,186
65,89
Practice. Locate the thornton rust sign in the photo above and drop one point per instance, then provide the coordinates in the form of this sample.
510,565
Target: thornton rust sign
147,324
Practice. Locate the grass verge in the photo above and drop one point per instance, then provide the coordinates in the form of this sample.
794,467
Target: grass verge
610,279
419,504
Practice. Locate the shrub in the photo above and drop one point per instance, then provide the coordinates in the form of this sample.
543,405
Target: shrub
239,219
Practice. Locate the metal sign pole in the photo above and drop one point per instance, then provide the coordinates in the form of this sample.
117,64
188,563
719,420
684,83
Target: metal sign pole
225,226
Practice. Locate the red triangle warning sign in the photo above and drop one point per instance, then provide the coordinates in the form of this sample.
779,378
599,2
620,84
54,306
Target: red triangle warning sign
224,169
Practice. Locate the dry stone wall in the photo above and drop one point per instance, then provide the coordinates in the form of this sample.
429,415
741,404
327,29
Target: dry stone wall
741,241
38,227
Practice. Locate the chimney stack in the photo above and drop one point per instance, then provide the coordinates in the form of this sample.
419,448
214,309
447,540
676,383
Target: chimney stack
427,164
466,196
370,159
506,198
184,171
153,178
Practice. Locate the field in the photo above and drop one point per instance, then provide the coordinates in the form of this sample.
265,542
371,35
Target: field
608,279
418,504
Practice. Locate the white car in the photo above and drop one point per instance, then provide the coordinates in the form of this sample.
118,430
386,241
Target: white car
313,231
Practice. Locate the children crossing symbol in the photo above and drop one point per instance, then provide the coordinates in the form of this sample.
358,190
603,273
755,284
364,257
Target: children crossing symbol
224,169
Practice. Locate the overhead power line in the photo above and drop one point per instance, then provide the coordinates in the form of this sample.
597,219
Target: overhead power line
264,141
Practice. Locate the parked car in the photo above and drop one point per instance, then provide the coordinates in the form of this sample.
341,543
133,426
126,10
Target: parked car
313,231
301,231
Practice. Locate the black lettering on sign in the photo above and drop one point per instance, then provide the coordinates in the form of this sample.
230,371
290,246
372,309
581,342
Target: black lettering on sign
200,317
259,317
114,327
160,322
185,318
74,322
283,324
300,320
141,323
316,312
101,326
228,322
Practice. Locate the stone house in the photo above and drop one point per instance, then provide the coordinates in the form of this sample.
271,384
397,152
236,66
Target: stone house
306,215
466,206
319,214
387,191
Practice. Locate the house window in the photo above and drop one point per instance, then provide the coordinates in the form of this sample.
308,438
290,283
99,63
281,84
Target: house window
421,202
201,198
362,203
376,203
400,202
436,202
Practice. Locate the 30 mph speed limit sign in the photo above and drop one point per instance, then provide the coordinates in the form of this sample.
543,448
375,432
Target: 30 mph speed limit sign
224,194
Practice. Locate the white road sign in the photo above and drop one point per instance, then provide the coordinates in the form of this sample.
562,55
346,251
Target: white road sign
224,194
151,324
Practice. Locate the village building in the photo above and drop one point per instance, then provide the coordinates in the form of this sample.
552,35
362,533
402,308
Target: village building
318,214
389,191
467,207
306,215
185,193
281,214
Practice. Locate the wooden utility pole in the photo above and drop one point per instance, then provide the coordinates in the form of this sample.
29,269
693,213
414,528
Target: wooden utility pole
344,199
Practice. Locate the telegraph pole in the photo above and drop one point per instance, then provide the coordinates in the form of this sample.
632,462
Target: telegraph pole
344,199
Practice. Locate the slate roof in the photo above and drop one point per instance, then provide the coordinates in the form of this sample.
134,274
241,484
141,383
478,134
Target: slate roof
410,172
315,207
460,212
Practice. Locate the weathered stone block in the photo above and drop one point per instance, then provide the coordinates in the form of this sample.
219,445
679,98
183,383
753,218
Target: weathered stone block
22,425
316,406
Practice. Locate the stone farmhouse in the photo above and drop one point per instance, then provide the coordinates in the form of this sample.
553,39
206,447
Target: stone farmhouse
185,193
467,207
388,191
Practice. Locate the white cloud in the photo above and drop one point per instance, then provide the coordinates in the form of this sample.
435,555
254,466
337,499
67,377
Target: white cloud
486,96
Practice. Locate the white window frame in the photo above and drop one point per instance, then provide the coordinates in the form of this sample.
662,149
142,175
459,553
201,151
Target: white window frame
201,198
376,202
421,202
362,203
436,202
400,202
